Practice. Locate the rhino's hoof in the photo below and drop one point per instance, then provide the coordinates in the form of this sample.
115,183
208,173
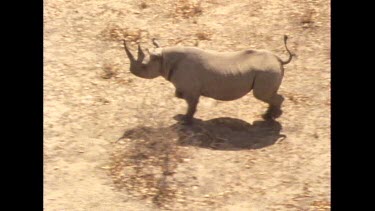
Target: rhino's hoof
276,112
272,113
187,121
179,117
267,116
183,119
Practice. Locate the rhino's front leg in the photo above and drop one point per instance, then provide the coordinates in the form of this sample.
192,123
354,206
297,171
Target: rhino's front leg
192,108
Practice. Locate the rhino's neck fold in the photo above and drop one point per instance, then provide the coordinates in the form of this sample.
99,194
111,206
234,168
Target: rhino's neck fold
170,73
168,67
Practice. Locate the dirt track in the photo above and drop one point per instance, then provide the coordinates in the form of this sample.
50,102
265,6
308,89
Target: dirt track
230,159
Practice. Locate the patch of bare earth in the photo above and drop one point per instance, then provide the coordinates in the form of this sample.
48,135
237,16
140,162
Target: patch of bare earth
111,141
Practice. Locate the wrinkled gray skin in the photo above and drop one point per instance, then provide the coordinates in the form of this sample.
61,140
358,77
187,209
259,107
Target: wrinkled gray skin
222,76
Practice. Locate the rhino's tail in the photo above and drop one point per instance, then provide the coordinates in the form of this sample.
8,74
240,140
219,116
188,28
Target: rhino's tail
290,54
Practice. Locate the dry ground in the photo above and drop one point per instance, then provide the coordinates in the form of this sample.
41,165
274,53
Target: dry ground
230,159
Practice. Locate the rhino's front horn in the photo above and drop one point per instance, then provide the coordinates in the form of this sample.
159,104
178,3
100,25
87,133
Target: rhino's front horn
130,56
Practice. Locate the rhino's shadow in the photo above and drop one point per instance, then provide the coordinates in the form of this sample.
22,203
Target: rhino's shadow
218,134
230,134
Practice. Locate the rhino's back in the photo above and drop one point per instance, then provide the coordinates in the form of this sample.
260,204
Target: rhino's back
222,75
230,75
226,62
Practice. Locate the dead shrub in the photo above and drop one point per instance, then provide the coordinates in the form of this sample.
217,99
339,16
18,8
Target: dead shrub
203,35
109,71
143,5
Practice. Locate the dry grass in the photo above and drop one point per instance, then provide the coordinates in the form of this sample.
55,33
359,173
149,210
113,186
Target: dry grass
307,19
321,205
109,71
116,33
297,98
144,161
203,35
187,9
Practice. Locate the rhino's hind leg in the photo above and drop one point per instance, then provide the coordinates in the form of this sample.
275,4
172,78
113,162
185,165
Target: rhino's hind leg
274,100
178,94
265,89
274,110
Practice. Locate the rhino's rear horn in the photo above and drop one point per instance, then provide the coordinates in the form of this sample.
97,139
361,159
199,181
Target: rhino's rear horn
128,53
141,55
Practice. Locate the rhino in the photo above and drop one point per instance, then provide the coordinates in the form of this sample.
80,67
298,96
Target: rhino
224,76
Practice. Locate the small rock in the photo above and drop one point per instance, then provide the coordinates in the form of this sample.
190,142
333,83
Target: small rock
180,200
105,167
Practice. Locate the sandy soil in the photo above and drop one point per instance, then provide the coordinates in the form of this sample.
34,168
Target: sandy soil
229,159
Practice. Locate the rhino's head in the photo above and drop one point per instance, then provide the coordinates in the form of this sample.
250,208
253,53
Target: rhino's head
146,65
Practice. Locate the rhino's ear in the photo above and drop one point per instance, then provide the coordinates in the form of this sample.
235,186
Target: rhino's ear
157,53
